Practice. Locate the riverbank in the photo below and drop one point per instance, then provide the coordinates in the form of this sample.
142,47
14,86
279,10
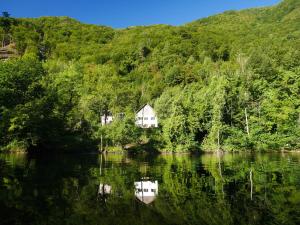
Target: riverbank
80,146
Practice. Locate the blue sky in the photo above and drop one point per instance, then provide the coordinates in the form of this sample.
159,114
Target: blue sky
124,13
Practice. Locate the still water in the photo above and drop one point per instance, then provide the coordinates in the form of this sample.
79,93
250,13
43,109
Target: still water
234,189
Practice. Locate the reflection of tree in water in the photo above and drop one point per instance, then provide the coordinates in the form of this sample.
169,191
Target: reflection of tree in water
62,190
104,190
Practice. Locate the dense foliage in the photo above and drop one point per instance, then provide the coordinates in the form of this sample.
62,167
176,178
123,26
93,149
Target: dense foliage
230,81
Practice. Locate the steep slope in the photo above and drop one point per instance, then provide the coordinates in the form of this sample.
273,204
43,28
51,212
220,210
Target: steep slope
230,80
256,25
65,38
57,36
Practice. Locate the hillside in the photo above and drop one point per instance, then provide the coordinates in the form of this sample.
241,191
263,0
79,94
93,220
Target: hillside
229,81
68,39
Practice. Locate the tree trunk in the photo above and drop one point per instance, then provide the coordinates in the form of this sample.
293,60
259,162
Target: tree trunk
219,140
251,181
247,124
101,144
220,172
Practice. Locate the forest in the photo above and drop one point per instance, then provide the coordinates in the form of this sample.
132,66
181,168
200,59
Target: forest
228,82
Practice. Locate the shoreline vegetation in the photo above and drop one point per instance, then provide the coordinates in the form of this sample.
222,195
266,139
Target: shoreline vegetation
229,82
140,149
156,152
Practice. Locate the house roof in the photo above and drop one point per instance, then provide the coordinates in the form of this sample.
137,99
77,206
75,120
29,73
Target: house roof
144,107
146,199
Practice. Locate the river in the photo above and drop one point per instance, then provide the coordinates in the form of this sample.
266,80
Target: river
90,189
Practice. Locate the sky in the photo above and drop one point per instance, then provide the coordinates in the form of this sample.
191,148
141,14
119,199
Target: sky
124,13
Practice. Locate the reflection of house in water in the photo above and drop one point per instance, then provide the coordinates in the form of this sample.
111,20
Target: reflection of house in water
146,191
104,189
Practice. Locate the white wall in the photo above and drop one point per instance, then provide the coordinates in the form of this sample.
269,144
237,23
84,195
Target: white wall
146,188
109,119
104,189
146,117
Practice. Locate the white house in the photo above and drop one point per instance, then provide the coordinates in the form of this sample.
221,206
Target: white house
104,189
106,120
146,191
146,117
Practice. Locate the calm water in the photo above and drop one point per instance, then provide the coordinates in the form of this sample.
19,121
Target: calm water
114,189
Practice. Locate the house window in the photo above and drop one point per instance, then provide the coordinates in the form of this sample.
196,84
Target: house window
145,190
146,118
153,190
152,118
140,118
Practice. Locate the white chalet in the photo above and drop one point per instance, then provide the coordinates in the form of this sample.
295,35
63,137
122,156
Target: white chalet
106,119
146,191
104,189
146,117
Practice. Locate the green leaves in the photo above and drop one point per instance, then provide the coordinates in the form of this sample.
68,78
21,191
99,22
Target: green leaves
26,109
229,81
18,81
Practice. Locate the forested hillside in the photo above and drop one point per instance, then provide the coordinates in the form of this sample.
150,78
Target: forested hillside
230,82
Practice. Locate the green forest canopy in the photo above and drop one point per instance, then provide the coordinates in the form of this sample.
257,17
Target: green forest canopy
229,81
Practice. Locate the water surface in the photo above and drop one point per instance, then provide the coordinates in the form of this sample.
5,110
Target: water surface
118,189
